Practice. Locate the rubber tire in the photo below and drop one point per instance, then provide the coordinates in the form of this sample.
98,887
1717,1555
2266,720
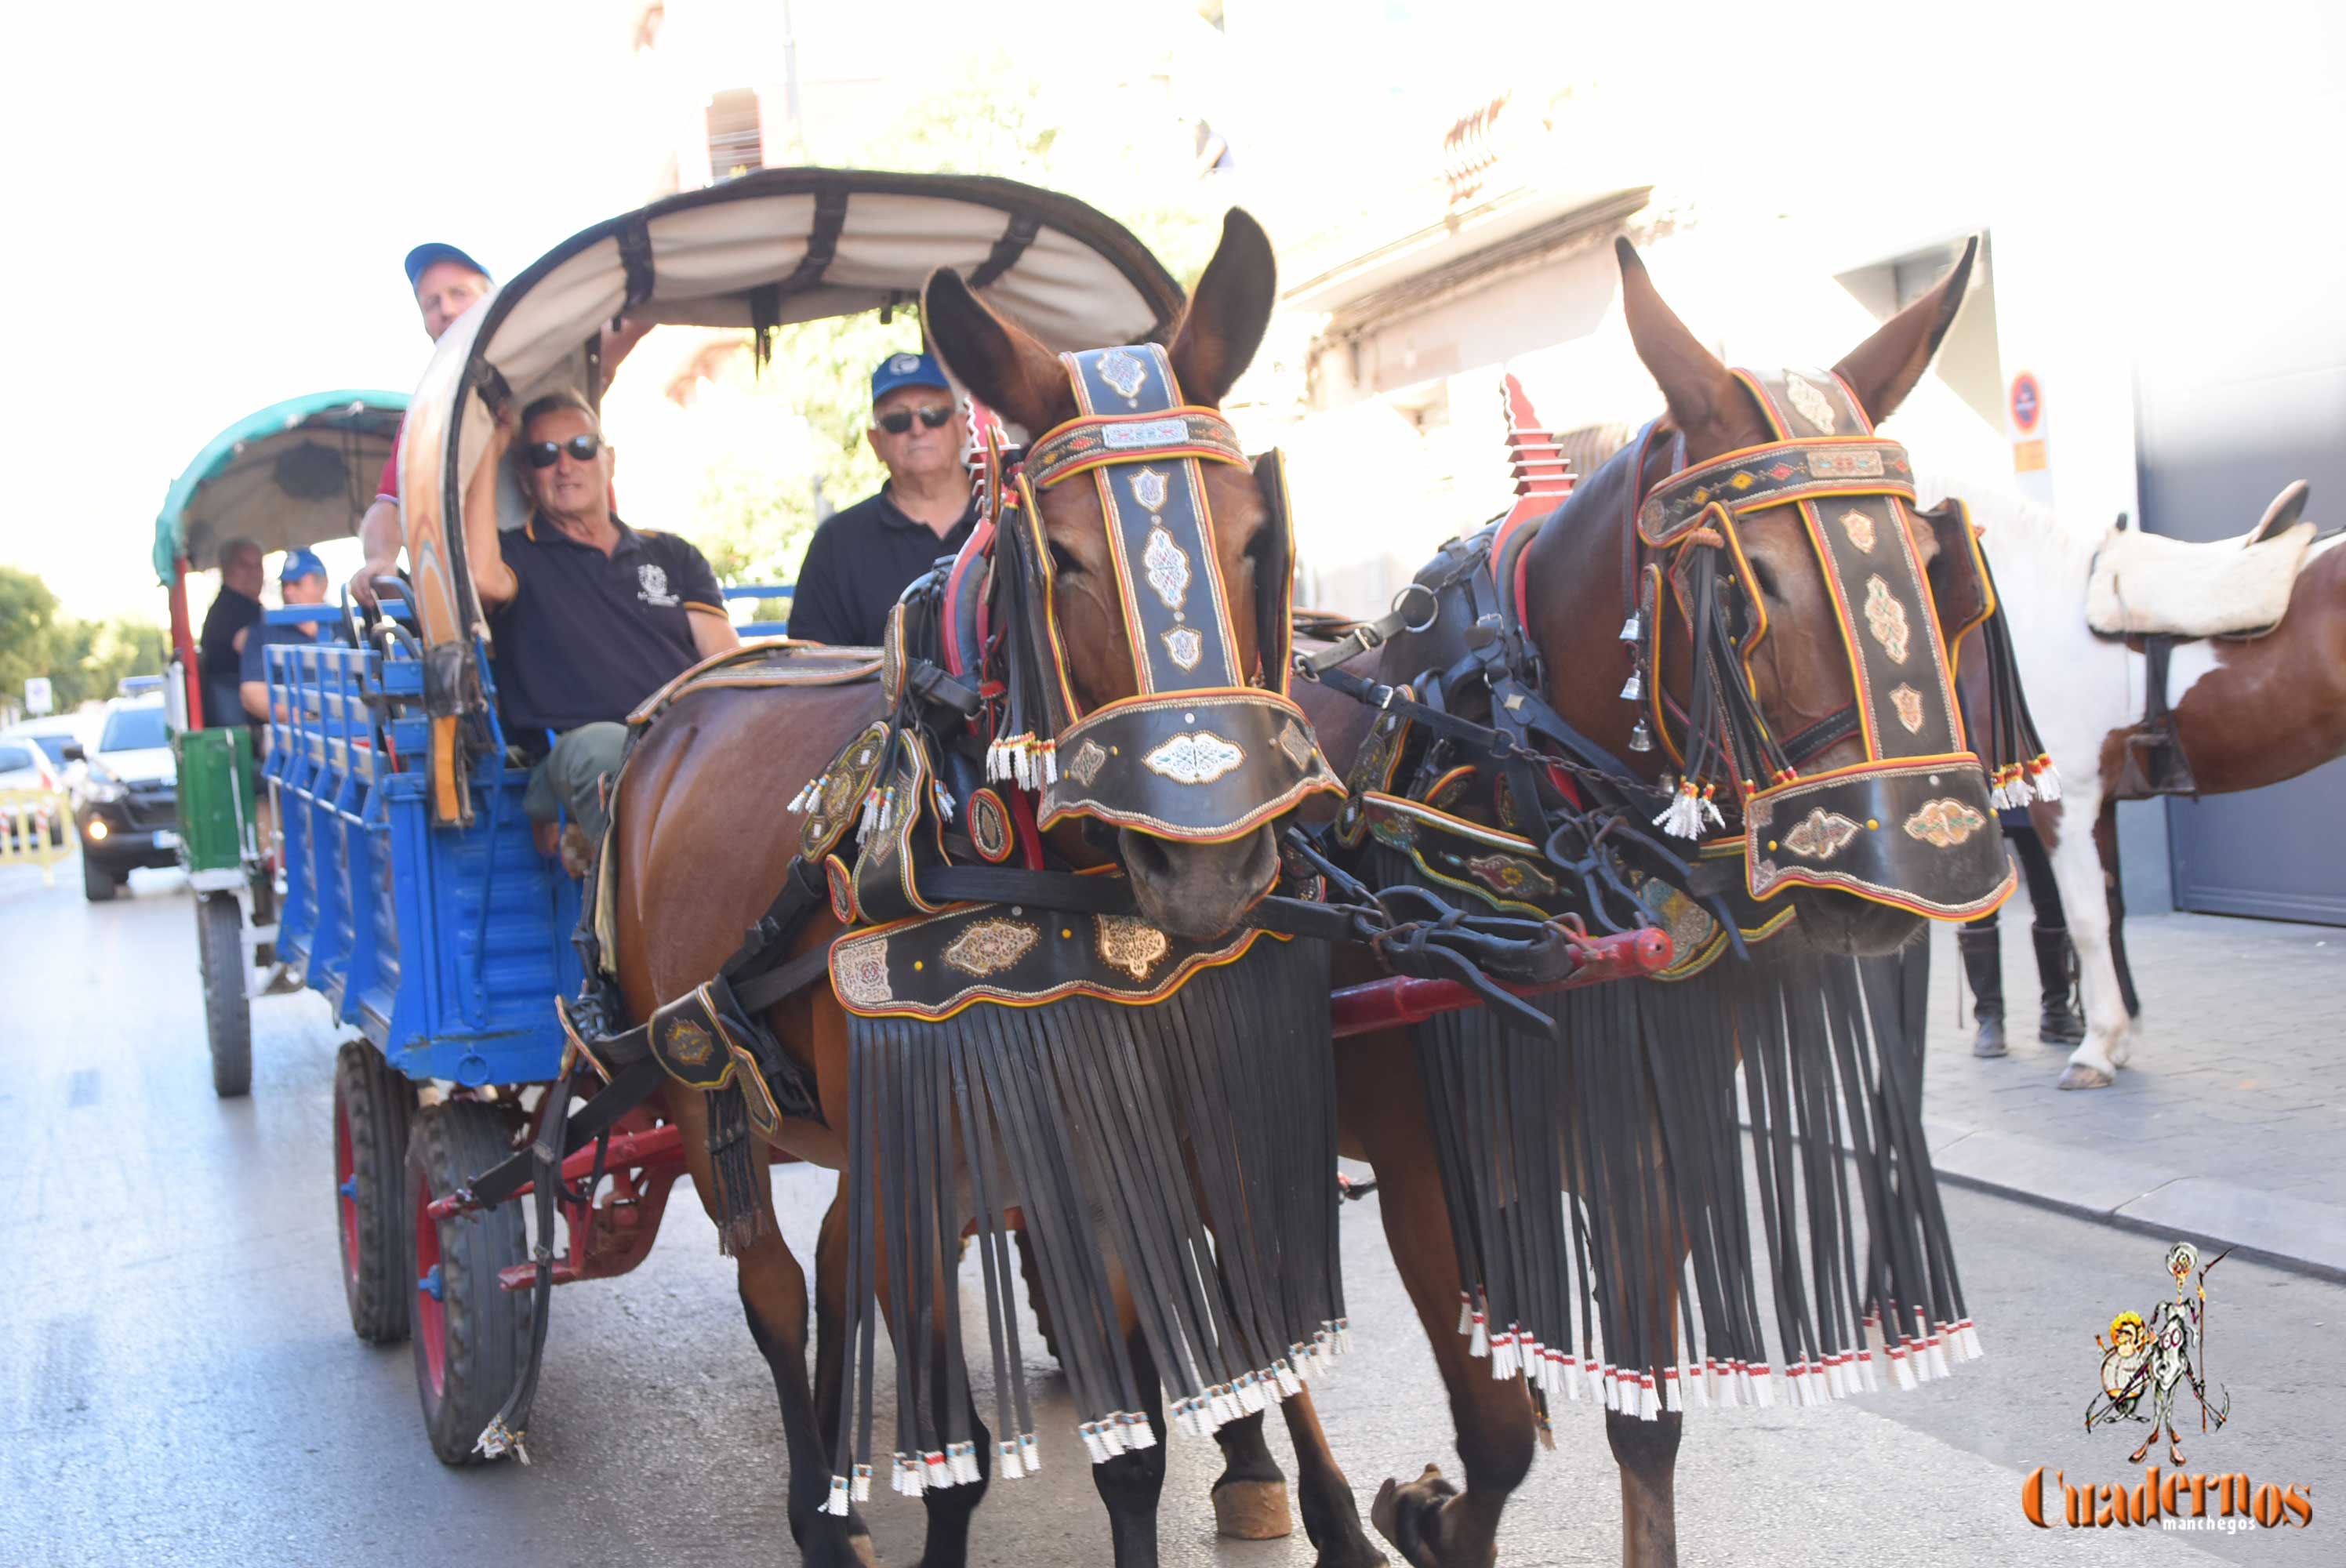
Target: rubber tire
97,884
374,1103
228,1014
483,1328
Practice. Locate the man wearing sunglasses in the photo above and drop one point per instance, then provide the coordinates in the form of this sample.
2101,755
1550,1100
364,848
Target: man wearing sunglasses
589,616
862,558
447,283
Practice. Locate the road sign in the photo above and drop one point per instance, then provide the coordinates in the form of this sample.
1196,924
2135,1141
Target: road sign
2027,403
38,701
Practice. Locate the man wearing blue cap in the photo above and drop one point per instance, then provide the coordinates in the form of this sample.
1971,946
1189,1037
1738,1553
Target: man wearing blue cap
447,283
862,558
300,581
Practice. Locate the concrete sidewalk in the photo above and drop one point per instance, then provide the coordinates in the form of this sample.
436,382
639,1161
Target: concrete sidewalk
2228,1126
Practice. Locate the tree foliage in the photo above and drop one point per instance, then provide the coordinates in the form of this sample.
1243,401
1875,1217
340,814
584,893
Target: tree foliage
85,661
759,503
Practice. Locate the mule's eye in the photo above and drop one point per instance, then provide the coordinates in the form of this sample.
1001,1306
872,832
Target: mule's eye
1062,563
1763,577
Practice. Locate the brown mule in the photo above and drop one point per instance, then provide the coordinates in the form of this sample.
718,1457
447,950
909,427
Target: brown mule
703,843
1574,607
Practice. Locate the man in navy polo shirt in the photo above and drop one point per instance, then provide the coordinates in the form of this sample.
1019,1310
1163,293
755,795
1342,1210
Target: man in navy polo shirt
589,616
862,558
300,581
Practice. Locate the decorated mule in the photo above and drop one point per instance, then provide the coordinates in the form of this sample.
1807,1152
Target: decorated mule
1711,688
2183,668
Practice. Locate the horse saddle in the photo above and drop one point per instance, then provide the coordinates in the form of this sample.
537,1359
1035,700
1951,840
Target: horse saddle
2147,584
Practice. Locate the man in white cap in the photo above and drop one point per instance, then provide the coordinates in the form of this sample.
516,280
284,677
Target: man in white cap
862,558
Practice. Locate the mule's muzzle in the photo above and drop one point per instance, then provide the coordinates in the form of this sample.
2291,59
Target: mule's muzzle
1197,892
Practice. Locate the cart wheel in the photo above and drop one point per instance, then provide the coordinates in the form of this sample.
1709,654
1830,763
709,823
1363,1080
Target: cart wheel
373,1105
471,1334
227,1015
97,884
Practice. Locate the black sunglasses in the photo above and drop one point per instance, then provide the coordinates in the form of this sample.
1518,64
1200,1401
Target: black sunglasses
901,420
544,453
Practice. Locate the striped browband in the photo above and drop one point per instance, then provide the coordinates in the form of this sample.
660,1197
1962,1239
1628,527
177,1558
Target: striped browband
1096,440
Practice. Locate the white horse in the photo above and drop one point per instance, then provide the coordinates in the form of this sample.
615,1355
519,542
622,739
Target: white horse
2249,713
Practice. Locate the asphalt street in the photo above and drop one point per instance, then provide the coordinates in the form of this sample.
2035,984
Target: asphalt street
179,1383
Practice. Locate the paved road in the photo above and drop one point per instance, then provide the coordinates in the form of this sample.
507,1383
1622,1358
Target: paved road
2230,1119
178,1385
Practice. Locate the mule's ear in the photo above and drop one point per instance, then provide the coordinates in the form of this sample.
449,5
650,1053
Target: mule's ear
1003,365
1884,368
1693,382
1224,324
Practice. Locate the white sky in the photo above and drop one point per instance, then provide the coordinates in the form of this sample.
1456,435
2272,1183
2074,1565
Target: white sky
208,203
209,208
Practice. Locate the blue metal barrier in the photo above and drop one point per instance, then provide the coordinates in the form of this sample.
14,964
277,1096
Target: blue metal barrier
781,591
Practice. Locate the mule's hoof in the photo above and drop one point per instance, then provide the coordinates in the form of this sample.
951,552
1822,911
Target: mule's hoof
2079,1076
1410,1517
1252,1510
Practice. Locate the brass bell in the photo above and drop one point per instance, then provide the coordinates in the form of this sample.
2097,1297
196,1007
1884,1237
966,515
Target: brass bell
1632,628
1640,738
1635,688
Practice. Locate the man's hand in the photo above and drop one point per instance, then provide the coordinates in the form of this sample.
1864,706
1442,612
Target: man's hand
378,536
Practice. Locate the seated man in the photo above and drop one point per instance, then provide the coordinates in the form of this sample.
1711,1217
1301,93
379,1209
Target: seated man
589,616
300,581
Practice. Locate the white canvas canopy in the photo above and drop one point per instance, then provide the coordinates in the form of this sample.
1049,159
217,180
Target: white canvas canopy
767,249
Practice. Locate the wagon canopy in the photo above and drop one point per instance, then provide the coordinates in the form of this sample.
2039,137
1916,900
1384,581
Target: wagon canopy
296,472
767,249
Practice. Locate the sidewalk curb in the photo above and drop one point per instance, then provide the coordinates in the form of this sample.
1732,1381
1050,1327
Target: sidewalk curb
2298,1235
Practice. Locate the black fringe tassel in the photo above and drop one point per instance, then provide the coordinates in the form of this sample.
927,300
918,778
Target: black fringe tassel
740,1217
1643,1288
1187,1149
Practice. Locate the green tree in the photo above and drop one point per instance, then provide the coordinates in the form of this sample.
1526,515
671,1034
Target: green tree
28,615
85,661
754,514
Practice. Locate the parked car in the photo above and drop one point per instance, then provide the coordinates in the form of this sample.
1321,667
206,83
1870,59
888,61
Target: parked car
53,735
26,766
126,805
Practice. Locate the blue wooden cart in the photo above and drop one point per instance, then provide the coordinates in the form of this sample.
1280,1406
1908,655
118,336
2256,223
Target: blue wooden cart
416,900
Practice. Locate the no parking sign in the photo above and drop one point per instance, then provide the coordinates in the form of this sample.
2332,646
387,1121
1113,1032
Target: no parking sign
2026,405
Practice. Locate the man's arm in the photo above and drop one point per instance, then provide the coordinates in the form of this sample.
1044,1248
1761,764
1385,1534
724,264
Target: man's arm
703,603
711,634
492,578
254,695
380,537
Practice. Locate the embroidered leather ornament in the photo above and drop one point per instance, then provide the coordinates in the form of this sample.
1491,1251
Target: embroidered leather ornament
1131,944
1885,617
990,946
1944,823
1909,704
1820,835
1198,758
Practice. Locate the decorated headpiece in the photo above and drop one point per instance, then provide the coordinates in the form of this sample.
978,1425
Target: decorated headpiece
1913,824
1209,748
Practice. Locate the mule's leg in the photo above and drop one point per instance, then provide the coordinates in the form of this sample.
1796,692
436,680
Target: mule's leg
1648,1454
1250,1494
2106,847
1330,1518
774,1300
950,1507
2077,867
1130,1484
1429,1522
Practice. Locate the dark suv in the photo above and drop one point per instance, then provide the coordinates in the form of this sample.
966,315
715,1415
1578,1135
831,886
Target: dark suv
126,805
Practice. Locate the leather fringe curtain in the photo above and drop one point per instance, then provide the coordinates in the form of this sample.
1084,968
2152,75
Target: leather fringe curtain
1186,1149
1645,1286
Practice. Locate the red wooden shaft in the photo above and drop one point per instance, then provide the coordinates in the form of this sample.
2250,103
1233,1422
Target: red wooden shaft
663,1144
1387,1003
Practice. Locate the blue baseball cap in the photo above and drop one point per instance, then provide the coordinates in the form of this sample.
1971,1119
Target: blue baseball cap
299,563
431,251
908,370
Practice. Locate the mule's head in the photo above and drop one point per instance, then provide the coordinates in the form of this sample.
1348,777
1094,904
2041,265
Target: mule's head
1112,612
1801,658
